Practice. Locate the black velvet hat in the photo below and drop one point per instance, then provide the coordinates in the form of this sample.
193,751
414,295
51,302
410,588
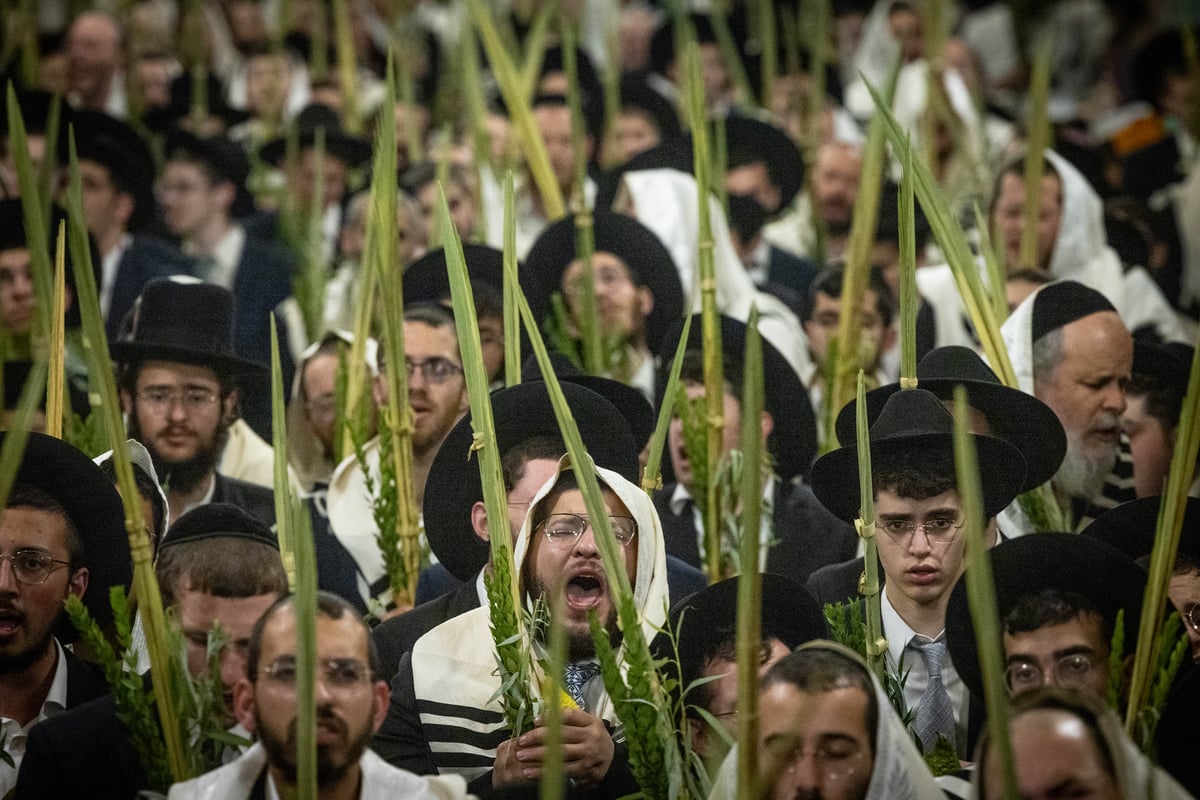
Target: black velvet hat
519,413
351,150
225,158
218,520
1060,303
1066,561
751,139
916,420
1131,527
1019,418
124,153
184,320
649,262
632,404
94,507
793,439
427,278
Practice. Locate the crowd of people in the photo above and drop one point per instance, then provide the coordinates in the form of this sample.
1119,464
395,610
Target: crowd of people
225,156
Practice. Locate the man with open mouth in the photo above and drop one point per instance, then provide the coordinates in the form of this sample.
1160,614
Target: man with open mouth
445,714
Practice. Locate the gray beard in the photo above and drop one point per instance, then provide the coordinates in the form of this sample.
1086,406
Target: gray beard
1080,476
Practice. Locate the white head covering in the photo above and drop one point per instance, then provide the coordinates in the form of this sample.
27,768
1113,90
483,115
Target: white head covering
898,772
139,456
665,201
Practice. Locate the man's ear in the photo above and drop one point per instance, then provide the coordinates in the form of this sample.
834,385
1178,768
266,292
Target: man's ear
243,704
229,405
698,733
479,521
768,424
79,582
126,401
645,300
381,696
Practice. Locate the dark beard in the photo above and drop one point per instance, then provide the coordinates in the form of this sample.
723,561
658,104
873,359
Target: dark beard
184,476
19,662
281,754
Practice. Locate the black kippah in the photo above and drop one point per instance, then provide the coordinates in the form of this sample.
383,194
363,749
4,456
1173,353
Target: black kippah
215,520
1059,304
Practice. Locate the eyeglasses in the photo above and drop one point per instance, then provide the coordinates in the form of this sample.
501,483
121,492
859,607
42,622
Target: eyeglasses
322,406
1070,672
1191,618
434,370
563,530
160,400
335,673
939,530
32,567
833,763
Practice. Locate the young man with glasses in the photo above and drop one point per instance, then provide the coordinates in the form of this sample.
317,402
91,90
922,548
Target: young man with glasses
181,387
350,704
918,529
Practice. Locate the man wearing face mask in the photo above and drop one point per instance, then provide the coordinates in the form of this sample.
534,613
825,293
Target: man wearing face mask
764,174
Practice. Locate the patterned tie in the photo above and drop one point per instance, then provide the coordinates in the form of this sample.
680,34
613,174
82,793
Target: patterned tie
935,714
576,678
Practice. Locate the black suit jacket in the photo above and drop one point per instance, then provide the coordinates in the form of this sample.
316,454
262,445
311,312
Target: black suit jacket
396,636
838,583
147,257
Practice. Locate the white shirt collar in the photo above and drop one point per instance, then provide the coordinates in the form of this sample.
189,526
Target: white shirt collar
224,257
15,735
108,276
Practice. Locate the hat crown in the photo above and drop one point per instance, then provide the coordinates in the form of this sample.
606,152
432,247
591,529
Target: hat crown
912,412
191,316
955,362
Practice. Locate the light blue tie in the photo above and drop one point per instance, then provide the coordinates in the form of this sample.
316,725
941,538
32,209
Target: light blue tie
576,678
935,714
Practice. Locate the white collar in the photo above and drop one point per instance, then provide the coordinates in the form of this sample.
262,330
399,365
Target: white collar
898,632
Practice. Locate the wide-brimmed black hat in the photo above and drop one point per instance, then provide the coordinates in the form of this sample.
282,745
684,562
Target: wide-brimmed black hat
649,262
632,404
34,105
117,147
637,95
1019,418
1066,561
94,507
793,439
180,104
182,319
705,620
751,139
915,420
1130,527
351,150
428,279
1168,364
224,157
519,412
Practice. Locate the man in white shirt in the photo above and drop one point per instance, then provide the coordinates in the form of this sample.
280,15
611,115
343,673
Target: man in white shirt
918,526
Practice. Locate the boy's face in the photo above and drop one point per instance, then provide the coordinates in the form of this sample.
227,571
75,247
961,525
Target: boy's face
920,571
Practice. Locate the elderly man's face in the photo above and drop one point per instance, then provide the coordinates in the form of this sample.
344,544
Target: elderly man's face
1087,391
815,745
30,611
350,705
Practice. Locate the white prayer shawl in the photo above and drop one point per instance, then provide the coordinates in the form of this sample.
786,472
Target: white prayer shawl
380,781
455,682
665,201
899,772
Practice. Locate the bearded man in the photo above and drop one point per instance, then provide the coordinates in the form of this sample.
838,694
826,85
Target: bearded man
181,387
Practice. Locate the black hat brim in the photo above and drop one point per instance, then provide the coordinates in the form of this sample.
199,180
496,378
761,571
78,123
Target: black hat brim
1131,527
783,159
94,507
1019,418
647,257
428,280
1029,564
793,439
244,371
632,404
519,413
350,150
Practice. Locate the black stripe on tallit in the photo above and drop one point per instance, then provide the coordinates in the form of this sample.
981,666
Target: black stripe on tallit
480,715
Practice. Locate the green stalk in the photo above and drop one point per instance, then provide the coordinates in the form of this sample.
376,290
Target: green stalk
535,49
347,66
36,234
730,55
105,401
404,81
55,381
908,274
287,547
817,17
995,268
437,236
512,288
509,81
1035,158
720,136
551,784
652,474
981,592
585,236
612,98
309,283
714,378
749,607
858,264
1166,544
49,171
769,44
18,433
319,61
875,644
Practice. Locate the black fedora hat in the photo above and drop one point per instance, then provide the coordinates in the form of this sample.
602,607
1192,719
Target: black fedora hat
351,150
649,262
180,104
224,157
519,412
915,419
1167,364
793,439
119,148
1026,565
751,139
1130,527
632,404
184,320
704,620
94,507
428,280
1019,418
